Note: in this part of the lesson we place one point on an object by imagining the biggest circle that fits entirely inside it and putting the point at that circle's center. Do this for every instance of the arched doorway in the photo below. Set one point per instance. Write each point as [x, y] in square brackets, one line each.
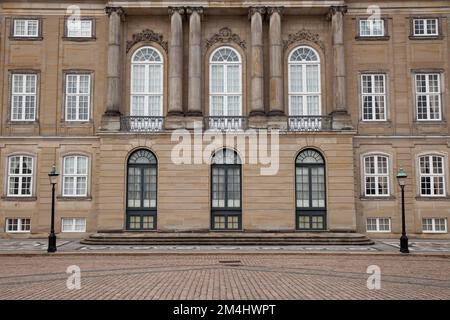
[226, 189]
[141, 191]
[310, 190]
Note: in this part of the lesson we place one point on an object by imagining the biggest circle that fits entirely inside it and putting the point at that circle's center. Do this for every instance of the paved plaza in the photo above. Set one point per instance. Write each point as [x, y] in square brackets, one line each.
[225, 276]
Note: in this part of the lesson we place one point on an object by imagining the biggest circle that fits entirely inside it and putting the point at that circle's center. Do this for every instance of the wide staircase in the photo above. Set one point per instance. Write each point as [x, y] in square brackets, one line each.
[229, 238]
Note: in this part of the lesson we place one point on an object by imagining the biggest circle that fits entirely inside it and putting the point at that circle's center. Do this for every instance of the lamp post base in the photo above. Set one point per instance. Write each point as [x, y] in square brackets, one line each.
[51, 243]
[404, 244]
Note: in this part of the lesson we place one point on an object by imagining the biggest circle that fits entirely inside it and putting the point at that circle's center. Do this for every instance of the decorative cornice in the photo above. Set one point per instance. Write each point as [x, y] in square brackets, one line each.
[190, 10]
[180, 10]
[119, 10]
[223, 36]
[304, 35]
[271, 10]
[252, 10]
[147, 35]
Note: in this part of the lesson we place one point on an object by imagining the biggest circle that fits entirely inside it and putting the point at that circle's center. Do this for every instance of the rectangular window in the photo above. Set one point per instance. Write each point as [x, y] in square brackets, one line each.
[18, 225]
[371, 27]
[432, 175]
[73, 225]
[378, 224]
[26, 28]
[376, 175]
[373, 88]
[75, 176]
[428, 96]
[438, 225]
[20, 176]
[78, 94]
[425, 27]
[23, 97]
[79, 28]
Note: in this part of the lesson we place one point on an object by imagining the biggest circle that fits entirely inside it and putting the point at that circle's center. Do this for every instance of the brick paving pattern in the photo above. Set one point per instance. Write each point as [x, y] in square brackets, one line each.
[215, 276]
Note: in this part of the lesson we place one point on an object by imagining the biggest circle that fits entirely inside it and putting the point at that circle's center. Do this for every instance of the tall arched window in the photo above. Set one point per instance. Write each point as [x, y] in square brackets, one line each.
[225, 87]
[147, 82]
[226, 190]
[141, 190]
[310, 190]
[304, 82]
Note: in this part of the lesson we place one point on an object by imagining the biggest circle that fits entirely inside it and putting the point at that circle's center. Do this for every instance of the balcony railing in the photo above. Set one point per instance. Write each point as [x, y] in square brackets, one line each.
[142, 123]
[310, 123]
[226, 123]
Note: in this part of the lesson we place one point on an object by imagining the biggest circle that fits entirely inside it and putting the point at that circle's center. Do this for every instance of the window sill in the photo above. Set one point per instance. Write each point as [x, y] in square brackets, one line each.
[433, 37]
[377, 198]
[368, 38]
[22, 123]
[79, 39]
[15, 38]
[67, 198]
[431, 122]
[436, 198]
[24, 199]
[71, 124]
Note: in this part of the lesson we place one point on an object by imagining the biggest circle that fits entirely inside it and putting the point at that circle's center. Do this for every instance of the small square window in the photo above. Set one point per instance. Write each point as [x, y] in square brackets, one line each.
[18, 225]
[378, 225]
[425, 27]
[371, 28]
[26, 28]
[434, 225]
[79, 28]
[73, 225]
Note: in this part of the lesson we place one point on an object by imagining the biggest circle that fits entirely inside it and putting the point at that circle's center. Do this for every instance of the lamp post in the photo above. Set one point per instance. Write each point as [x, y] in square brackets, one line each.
[401, 178]
[53, 176]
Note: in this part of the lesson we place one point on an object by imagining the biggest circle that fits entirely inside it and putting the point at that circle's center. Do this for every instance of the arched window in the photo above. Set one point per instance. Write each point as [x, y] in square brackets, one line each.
[141, 190]
[226, 190]
[225, 87]
[432, 175]
[310, 190]
[304, 82]
[147, 82]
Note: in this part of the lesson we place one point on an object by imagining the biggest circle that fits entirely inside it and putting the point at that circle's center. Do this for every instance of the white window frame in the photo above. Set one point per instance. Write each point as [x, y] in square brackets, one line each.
[433, 225]
[21, 176]
[377, 224]
[372, 77]
[77, 96]
[371, 22]
[75, 175]
[428, 94]
[147, 94]
[425, 27]
[305, 93]
[73, 225]
[20, 225]
[225, 92]
[24, 94]
[432, 175]
[78, 32]
[26, 28]
[376, 175]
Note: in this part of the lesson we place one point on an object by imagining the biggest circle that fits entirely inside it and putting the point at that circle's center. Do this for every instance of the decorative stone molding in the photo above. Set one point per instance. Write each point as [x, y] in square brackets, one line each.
[180, 10]
[118, 10]
[336, 9]
[271, 10]
[147, 35]
[190, 10]
[225, 35]
[303, 35]
[253, 10]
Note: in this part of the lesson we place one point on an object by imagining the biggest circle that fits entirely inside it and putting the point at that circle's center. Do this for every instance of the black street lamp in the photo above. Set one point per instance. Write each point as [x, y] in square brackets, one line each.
[401, 178]
[53, 176]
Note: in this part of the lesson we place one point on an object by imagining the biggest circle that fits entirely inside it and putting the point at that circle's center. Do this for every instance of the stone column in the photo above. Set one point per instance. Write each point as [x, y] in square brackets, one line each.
[257, 62]
[195, 62]
[337, 26]
[113, 98]
[276, 62]
[176, 62]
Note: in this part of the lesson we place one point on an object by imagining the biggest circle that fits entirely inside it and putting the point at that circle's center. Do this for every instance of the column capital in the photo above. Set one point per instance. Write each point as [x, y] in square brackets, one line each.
[180, 10]
[272, 10]
[119, 10]
[191, 10]
[253, 10]
[337, 9]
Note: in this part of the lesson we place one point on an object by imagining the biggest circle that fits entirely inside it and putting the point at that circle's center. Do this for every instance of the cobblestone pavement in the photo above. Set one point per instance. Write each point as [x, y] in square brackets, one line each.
[391, 245]
[216, 276]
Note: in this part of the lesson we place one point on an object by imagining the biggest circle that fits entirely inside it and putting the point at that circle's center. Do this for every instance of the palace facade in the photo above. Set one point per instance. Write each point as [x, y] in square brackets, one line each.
[353, 91]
